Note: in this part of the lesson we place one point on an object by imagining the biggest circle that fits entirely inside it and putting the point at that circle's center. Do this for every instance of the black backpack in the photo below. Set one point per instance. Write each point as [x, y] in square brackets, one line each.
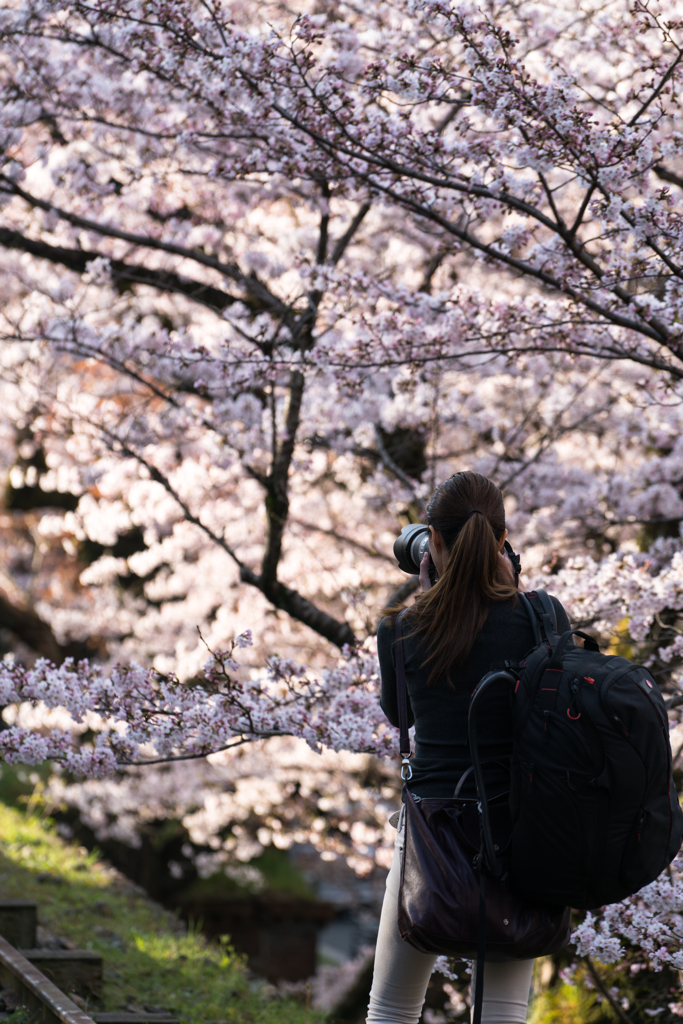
[594, 807]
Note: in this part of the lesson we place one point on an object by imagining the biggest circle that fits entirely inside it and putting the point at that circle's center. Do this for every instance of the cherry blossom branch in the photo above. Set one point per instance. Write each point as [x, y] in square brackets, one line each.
[250, 283]
[133, 710]
[280, 595]
[658, 89]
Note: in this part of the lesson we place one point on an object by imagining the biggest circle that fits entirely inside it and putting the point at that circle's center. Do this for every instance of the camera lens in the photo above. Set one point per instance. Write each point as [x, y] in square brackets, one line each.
[410, 547]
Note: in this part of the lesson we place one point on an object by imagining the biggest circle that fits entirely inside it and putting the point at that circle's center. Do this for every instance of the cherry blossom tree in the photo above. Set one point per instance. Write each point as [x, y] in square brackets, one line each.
[270, 274]
[204, 395]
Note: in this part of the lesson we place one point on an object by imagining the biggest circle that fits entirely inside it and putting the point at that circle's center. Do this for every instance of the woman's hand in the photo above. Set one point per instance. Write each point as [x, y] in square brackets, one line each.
[425, 582]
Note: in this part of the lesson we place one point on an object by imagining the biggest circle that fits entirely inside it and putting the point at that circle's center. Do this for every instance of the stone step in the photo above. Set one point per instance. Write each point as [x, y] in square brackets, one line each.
[36, 991]
[77, 970]
[71, 970]
[18, 919]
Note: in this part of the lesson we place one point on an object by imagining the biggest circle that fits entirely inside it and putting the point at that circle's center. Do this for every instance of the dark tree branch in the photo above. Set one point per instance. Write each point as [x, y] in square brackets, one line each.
[582, 210]
[37, 634]
[655, 92]
[277, 493]
[238, 741]
[342, 243]
[608, 352]
[392, 466]
[290, 601]
[431, 268]
[122, 274]
[315, 528]
[618, 1009]
[665, 174]
[403, 592]
[321, 255]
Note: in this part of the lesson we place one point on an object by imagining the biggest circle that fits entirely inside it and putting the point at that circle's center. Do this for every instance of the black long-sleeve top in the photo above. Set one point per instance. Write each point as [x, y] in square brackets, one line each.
[439, 710]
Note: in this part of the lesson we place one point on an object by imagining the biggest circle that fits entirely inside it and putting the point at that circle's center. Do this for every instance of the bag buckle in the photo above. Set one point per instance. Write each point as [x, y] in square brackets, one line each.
[406, 769]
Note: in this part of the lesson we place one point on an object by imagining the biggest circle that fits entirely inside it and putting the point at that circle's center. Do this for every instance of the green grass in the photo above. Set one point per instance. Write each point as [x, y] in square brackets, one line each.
[566, 1004]
[280, 876]
[148, 957]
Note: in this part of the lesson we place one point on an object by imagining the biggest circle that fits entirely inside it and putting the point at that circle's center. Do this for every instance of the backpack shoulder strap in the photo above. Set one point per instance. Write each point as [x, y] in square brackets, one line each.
[548, 608]
[541, 609]
[401, 690]
[484, 684]
[528, 608]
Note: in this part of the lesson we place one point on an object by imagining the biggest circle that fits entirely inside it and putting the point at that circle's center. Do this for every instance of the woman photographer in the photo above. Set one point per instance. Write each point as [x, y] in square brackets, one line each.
[455, 632]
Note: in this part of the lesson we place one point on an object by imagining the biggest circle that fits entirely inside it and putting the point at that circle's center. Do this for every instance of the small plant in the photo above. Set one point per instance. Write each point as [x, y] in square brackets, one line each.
[24, 1016]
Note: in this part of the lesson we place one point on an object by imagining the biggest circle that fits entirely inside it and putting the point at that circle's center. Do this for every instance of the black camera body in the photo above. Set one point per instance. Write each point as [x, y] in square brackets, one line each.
[410, 546]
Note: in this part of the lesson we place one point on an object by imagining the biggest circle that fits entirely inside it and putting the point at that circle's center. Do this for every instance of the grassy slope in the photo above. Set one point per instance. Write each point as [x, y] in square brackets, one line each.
[148, 959]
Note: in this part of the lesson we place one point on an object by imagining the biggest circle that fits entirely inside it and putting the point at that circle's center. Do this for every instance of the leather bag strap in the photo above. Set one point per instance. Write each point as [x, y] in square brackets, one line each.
[481, 953]
[402, 694]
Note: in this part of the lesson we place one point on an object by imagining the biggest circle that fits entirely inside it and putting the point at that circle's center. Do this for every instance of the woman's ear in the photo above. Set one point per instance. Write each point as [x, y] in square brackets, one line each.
[502, 540]
[436, 539]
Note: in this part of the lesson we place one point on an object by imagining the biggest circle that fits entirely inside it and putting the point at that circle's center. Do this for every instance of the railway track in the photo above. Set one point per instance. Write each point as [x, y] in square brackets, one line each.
[32, 976]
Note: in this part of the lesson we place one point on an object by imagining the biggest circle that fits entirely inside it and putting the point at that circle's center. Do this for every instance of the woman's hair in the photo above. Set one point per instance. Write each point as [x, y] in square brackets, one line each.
[468, 512]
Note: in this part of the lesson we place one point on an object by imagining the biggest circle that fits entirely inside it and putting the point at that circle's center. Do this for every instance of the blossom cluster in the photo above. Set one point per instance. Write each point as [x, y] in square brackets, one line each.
[142, 717]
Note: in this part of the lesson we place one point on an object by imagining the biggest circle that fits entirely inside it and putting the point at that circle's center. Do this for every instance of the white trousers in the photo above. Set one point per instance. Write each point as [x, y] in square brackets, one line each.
[402, 973]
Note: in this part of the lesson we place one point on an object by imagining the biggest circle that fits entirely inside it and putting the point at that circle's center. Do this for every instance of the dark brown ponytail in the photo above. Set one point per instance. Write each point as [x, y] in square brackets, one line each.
[468, 512]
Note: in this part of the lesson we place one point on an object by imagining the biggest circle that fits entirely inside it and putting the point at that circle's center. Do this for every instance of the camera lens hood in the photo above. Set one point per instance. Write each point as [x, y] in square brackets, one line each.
[410, 546]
